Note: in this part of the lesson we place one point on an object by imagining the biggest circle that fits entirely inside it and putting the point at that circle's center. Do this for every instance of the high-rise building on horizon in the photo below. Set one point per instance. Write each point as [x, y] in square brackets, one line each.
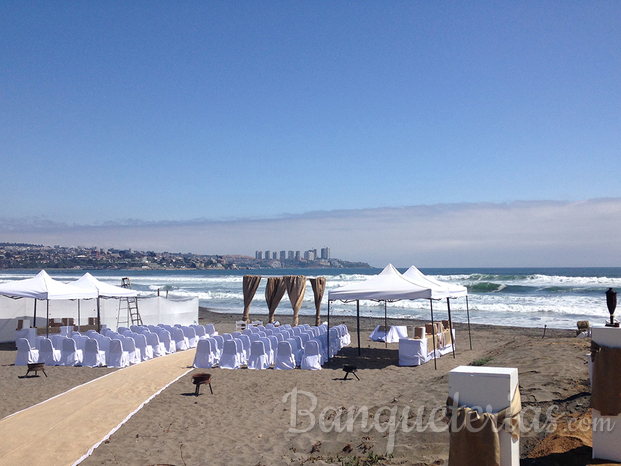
[283, 255]
[325, 253]
[258, 255]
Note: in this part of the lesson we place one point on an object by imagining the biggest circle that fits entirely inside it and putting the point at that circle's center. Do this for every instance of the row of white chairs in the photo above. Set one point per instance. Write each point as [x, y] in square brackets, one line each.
[283, 347]
[114, 349]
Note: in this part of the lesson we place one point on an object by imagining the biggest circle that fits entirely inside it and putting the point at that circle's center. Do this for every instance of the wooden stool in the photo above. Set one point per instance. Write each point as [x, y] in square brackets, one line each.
[201, 379]
[36, 367]
[350, 369]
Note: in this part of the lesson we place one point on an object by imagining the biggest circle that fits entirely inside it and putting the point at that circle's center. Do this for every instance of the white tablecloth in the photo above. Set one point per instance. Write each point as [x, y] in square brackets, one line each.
[395, 333]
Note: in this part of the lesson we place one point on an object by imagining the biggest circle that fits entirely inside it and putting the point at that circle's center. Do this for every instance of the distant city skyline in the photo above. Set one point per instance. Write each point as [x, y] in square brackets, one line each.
[283, 255]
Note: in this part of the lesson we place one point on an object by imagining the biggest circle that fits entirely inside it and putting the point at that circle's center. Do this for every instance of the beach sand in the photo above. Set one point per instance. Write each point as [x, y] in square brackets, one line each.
[248, 419]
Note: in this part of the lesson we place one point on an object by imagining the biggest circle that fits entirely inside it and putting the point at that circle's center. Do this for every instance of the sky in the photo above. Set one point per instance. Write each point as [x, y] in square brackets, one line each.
[428, 133]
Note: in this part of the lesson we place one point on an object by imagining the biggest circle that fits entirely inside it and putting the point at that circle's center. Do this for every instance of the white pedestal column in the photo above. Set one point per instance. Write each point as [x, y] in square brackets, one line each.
[606, 442]
[488, 386]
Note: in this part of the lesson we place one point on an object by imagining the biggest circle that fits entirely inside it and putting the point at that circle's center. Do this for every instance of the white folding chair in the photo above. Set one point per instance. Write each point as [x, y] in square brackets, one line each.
[146, 351]
[70, 355]
[169, 344]
[267, 344]
[117, 356]
[258, 358]
[181, 341]
[190, 334]
[284, 356]
[230, 357]
[129, 345]
[93, 357]
[153, 340]
[47, 353]
[311, 360]
[25, 354]
[204, 355]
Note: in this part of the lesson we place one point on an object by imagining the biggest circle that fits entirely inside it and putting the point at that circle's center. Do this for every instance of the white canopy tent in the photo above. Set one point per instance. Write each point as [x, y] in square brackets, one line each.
[103, 290]
[441, 290]
[390, 285]
[44, 287]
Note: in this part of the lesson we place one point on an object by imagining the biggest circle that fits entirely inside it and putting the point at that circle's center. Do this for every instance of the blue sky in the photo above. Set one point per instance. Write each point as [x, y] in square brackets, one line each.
[243, 111]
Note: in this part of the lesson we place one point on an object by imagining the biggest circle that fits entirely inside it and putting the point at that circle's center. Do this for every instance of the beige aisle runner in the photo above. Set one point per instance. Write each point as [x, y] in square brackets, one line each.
[61, 430]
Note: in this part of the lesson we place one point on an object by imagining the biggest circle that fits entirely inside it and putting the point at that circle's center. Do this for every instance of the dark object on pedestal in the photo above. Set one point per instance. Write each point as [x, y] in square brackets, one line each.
[611, 302]
[350, 369]
[201, 379]
[36, 367]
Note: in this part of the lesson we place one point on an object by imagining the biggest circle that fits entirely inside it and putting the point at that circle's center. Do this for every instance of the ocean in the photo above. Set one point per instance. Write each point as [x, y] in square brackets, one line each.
[525, 297]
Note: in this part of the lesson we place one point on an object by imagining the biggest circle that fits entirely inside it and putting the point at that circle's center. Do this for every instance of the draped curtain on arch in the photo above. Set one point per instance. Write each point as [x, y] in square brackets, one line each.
[251, 283]
[274, 291]
[319, 286]
[296, 288]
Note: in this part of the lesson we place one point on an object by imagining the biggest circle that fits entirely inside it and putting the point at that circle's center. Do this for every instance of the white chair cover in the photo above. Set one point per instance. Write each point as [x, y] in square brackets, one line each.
[129, 345]
[153, 340]
[25, 354]
[93, 357]
[117, 356]
[227, 336]
[284, 356]
[210, 330]
[190, 334]
[219, 339]
[243, 356]
[258, 359]
[230, 357]
[104, 343]
[181, 341]
[169, 344]
[245, 339]
[57, 341]
[146, 351]
[312, 356]
[70, 355]
[215, 352]
[254, 337]
[204, 357]
[267, 344]
[295, 350]
[47, 353]
[274, 342]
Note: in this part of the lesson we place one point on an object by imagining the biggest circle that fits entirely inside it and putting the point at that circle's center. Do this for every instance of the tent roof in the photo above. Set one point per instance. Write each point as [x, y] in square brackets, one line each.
[389, 285]
[42, 286]
[104, 290]
[439, 289]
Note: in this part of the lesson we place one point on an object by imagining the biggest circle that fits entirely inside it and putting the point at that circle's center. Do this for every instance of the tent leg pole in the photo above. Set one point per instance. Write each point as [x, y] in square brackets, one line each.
[35, 314]
[448, 306]
[98, 316]
[328, 334]
[468, 312]
[48, 319]
[358, 322]
[385, 326]
[433, 333]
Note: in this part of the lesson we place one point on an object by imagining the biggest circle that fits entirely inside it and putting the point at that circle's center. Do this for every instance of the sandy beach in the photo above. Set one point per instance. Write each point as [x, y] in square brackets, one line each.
[288, 417]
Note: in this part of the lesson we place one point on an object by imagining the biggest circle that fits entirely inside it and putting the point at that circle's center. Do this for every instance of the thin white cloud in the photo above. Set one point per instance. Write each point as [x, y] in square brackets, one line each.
[542, 233]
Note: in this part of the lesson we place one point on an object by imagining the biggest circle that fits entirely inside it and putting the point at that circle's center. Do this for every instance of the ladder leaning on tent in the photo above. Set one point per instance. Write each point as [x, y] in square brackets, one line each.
[131, 305]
